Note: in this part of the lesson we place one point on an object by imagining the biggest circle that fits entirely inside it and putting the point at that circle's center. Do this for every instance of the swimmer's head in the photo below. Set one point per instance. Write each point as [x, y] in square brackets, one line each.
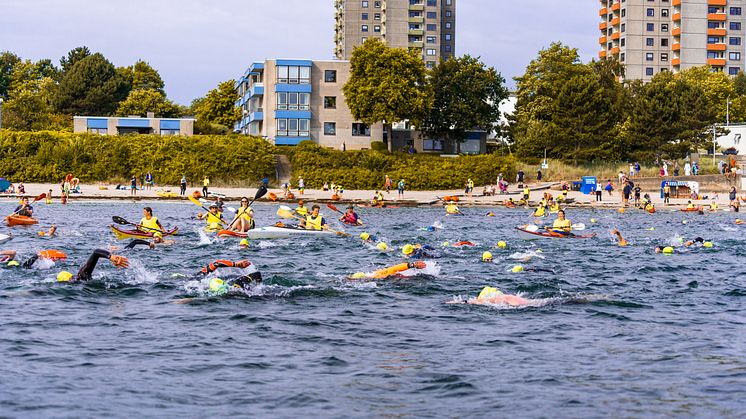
[502, 245]
[486, 257]
[382, 246]
[64, 276]
[243, 243]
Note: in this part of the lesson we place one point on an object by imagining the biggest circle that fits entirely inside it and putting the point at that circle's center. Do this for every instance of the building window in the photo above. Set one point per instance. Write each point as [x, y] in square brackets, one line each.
[432, 27]
[734, 40]
[377, 28]
[649, 71]
[282, 127]
[330, 102]
[623, 27]
[713, 25]
[664, 27]
[430, 52]
[649, 56]
[664, 42]
[650, 42]
[293, 74]
[650, 12]
[282, 101]
[664, 56]
[448, 37]
[664, 12]
[733, 70]
[360, 130]
[448, 48]
[650, 27]
[364, 3]
[734, 56]
[364, 16]
[713, 39]
[330, 76]
[430, 39]
[432, 15]
[449, 13]
[449, 2]
[377, 4]
[169, 131]
[430, 64]
[330, 128]
[293, 127]
[713, 54]
[432, 3]
[364, 28]
[448, 25]
[376, 16]
[102, 131]
[735, 26]
[432, 145]
[622, 42]
[712, 9]
[624, 12]
[735, 10]
[621, 57]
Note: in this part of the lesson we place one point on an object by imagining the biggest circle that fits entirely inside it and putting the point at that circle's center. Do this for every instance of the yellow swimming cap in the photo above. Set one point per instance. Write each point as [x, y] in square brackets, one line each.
[216, 285]
[489, 292]
[42, 233]
[382, 246]
[651, 229]
[707, 244]
[517, 268]
[668, 249]
[358, 275]
[501, 244]
[538, 250]
[739, 221]
[158, 234]
[408, 249]
[64, 276]
[364, 235]
[446, 244]
[593, 220]
[244, 243]
[13, 263]
[486, 257]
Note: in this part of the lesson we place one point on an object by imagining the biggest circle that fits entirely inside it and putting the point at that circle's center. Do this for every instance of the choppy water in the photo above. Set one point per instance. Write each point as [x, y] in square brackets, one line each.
[618, 332]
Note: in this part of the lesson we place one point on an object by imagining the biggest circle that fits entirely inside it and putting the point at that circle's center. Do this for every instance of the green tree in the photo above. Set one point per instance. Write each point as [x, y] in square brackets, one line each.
[386, 84]
[143, 76]
[91, 87]
[218, 106]
[8, 61]
[142, 101]
[75, 55]
[466, 97]
[718, 87]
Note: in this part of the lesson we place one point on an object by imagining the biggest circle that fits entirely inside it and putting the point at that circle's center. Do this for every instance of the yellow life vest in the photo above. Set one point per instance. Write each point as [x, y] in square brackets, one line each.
[313, 223]
[214, 218]
[690, 206]
[562, 224]
[452, 209]
[539, 212]
[526, 191]
[151, 224]
[206, 182]
[713, 206]
[244, 213]
[301, 211]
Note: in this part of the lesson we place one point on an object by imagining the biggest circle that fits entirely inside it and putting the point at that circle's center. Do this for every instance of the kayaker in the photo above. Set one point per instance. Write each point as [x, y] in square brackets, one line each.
[86, 271]
[214, 218]
[49, 197]
[395, 270]
[25, 209]
[301, 209]
[243, 282]
[452, 208]
[148, 223]
[713, 206]
[690, 206]
[350, 217]
[220, 203]
[509, 203]
[314, 221]
[491, 295]
[244, 218]
[561, 224]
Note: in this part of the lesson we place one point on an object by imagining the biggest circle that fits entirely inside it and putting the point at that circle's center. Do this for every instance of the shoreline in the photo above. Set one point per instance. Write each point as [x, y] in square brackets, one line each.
[92, 193]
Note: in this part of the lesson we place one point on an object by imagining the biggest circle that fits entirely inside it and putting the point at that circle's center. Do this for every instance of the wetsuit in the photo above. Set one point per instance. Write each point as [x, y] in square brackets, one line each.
[243, 282]
[135, 242]
[86, 271]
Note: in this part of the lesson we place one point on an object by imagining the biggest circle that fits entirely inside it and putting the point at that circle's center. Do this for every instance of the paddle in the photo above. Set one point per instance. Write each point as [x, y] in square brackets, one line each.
[122, 221]
[38, 198]
[259, 193]
[196, 202]
[334, 208]
[286, 212]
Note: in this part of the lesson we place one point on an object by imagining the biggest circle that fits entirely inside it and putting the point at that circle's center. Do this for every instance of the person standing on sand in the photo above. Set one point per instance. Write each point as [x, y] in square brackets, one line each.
[538, 175]
[205, 185]
[388, 184]
[599, 192]
[666, 194]
[183, 185]
[400, 186]
[148, 180]
[609, 187]
[687, 169]
[133, 185]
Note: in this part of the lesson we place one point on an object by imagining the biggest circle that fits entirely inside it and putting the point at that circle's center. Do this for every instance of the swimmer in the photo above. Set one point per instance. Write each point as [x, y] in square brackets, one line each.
[664, 249]
[368, 238]
[415, 251]
[86, 271]
[49, 233]
[243, 282]
[385, 273]
[7, 255]
[493, 296]
[487, 257]
[619, 238]
[698, 241]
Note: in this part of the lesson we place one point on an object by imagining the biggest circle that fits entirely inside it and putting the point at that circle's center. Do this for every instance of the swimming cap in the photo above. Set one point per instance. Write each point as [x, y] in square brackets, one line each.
[490, 214]
[486, 257]
[739, 221]
[501, 244]
[651, 229]
[244, 243]
[382, 246]
[364, 235]
[217, 285]
[358, 275]
[64, 276]
[683, 221]
[489, 292]
[517, 268]
[668, 249]
[13, 263]
[621, 210]
[445, 244]
[707, 244]
[593, 220]
[158, 234]
[408, 249]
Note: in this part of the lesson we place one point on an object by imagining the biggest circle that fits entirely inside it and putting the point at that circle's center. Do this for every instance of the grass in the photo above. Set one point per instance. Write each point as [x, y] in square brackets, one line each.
[559, 171]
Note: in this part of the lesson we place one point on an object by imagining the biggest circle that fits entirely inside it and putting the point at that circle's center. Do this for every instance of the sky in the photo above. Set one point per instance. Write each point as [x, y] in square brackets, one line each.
[195, 44]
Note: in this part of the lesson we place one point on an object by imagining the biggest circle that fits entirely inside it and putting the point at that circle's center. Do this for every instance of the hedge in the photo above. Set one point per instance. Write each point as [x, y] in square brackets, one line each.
[46, 156]
[367, 169]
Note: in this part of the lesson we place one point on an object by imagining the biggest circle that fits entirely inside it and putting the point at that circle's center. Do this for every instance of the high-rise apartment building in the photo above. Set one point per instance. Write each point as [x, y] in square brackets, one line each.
[429, 26]
[649, 36]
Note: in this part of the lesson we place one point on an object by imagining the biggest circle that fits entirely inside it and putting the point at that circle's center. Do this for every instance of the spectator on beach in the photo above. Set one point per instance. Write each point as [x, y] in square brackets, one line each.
[205, 186]
[666, 194]
[687, 169]
[538, 175]
[631, 170]
[400, 187]
[609, 187]
[695, 168]
[133, 185]
[665, 168]
[676, 168]
[148, 180]
[621, 177]
[599, 192]
[519, 178]
[183, 185]
[637, 169]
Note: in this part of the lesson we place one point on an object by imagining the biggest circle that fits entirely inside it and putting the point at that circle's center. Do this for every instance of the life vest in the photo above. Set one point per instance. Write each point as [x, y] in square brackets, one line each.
[539, 212]
[214, 218]
[314, 223]
[526, 191]
[151, 224]
[562, 224]
[301, 211]
[244, 213]
[452, 209]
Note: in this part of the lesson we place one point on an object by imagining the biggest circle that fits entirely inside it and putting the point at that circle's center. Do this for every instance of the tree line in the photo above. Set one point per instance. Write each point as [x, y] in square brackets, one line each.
[44, 96]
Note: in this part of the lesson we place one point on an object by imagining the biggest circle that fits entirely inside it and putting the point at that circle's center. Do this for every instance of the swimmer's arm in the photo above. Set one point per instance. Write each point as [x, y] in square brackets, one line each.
[135, 242]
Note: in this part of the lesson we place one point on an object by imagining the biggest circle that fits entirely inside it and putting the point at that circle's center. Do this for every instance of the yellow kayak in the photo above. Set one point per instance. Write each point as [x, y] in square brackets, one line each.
[166, 194]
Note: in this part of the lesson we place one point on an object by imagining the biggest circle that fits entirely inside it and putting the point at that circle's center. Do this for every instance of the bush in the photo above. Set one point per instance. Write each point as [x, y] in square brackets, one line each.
[378, 146]
[46, 156]
[367, 169]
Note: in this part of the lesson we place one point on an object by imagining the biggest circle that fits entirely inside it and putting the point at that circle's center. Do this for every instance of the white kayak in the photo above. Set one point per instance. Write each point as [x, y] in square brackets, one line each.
[284, 232]
[4, 238]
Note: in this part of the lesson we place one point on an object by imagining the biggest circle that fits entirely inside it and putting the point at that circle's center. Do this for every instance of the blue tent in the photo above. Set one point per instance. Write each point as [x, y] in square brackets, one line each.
[4, 184]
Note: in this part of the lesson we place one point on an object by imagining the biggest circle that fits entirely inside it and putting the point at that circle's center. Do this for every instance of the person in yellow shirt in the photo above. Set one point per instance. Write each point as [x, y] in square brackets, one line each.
[452, 208]
[690, 206]
[214, 218]
[301, 210]
[314, 220]
[205, 185]
[713, 206]
[244, 219]
[561, 225]
[148, 223]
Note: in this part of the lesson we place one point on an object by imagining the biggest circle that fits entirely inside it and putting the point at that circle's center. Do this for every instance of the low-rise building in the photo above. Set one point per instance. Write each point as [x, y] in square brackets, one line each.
[115, 125]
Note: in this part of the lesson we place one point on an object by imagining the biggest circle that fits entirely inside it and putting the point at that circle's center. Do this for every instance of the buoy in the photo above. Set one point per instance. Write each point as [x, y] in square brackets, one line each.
[621, 210]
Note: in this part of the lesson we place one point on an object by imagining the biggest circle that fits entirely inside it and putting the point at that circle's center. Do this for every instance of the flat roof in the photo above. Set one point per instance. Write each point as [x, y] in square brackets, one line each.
[132, 117]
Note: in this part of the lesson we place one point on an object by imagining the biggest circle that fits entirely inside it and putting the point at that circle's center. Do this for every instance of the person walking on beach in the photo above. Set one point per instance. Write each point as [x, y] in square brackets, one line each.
[687, 169]
[599, 192]
[149, 181]
[133, 185]
[301, 185]
[183, 185]
[388, 184]
[519, 178]
[205, 185]
[666, 194]
[609, 187]
[400, 186]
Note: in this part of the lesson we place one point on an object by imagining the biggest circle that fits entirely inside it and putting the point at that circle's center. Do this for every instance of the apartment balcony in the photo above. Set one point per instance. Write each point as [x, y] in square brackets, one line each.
[602, 26]
[716, 17]
[602, 54]
[602, 40]
[676, 32]
[615, 21]
[716, 2]
[615, 35]
[676, 61]
[257, 115]
[616, 6]
[676, 3]
[614, 51]
[716, 47]
[256, 90]
[676, 46]
[417, 19]
[716, 62]
[417, 7]
[716, 32]
[416, 32]
[603, 12]
[676, 17]
[416, 44]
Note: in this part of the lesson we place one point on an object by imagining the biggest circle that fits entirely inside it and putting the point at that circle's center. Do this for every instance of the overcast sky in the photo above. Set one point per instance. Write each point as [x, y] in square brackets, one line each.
[195, 44]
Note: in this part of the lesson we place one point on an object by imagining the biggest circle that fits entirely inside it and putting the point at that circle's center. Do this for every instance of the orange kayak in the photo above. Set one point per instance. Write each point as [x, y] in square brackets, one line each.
[20, 220]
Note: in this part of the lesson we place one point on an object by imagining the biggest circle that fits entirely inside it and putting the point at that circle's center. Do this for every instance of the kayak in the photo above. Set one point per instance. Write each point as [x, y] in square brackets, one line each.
[166, 194]
[530, 235]
[20, 220]
[4, 238]
[122, 234]
[697, 209]
[273, 232]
